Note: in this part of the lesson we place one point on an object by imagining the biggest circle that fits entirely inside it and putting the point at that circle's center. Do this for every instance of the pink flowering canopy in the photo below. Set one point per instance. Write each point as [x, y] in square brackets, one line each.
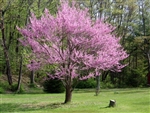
[72, 42]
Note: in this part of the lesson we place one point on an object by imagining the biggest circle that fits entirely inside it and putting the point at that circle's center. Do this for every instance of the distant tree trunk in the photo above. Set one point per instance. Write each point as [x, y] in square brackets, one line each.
[104, 75]
[97, 85]
[143, 20]
[148, 57]
[32, 78]
[9, 76]
[68, 94]
[20, 75]
[112, 76]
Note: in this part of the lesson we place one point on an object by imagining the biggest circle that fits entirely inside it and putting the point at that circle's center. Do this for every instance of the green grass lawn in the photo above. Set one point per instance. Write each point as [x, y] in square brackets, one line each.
[83, 101]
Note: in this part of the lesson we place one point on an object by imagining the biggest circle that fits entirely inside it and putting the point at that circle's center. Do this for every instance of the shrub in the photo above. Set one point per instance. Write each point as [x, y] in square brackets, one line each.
[106, 84]
[90, 83]
[32, 85]
[2, 90]
[53, 86]
[4, 86]
[14, 88]
[136, 78]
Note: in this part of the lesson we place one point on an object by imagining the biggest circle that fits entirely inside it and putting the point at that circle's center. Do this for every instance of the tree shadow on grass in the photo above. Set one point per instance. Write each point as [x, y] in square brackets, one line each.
[105, 107]
[129, 92]
[13, 107]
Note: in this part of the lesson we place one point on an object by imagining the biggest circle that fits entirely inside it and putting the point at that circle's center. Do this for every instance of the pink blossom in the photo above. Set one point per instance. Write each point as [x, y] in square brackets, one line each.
[73, 42]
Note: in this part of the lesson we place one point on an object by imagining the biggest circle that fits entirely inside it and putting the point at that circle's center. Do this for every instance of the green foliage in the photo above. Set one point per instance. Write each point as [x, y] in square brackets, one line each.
[32, 85]
[129, 77]
[53, 86]
[135, 78]
[2, 61]
[105, 85]
[1, 90]
[90, 83]
[4, 86]
[14, 89]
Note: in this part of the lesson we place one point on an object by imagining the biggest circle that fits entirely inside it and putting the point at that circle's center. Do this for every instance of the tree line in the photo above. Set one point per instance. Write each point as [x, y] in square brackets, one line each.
[131, 19]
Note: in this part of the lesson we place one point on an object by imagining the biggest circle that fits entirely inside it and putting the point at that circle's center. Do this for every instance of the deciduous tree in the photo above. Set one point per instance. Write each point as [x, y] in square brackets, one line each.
[72, 42]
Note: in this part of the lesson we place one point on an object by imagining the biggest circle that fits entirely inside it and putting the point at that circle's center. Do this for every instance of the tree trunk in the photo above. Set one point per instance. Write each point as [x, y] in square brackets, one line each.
[97, 85]
[20, 75]
[9, 76]
[68, 95]
[32, 78]
[148, 57]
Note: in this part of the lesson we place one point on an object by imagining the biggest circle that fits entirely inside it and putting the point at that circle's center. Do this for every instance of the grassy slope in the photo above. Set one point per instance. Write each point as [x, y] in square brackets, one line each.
[128, 101]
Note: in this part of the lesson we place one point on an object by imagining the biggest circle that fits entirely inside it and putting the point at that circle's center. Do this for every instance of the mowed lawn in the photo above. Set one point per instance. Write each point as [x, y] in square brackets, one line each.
[83, 101]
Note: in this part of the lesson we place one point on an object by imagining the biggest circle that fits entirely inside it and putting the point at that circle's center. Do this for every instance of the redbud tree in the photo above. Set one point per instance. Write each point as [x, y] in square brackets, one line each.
[74, 43]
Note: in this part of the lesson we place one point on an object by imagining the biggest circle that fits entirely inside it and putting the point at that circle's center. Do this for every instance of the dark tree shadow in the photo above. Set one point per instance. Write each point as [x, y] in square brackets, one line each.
[13, 107]
[104, 107]
[131, 92]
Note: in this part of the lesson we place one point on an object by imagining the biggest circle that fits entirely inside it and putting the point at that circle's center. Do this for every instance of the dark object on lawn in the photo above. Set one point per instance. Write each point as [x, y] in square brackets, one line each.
[112, 103]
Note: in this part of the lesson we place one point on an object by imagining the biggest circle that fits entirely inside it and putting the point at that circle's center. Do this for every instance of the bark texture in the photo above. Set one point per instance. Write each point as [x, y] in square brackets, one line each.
[5, 49]
[68, 94]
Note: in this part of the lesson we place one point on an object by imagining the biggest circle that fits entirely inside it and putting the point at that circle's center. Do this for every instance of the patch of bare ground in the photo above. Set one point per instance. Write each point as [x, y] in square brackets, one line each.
[25, 82]
[25, 79]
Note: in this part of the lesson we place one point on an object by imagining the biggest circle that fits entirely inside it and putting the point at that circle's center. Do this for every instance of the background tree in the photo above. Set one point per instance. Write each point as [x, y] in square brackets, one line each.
[130, 17]
[17, 12]
[120, 13]
[4, 8]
